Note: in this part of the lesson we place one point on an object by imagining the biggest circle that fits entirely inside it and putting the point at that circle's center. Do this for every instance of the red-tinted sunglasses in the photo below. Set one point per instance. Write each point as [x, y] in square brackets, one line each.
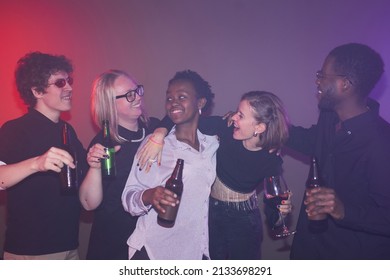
[60, 83]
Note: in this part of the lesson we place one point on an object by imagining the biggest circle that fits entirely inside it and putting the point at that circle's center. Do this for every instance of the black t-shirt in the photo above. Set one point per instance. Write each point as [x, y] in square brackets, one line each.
[112, 225]
[39, 219]
[238, 168]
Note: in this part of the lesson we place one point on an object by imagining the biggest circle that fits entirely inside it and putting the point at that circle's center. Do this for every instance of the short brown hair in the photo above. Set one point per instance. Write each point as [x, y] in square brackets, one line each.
[268, 109]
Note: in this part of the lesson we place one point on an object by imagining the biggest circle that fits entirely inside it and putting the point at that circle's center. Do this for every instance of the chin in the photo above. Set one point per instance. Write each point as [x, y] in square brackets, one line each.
[136, 111]
[237, 136]
[326, 105]
[175, 120]
[133, 117]
[66, 108]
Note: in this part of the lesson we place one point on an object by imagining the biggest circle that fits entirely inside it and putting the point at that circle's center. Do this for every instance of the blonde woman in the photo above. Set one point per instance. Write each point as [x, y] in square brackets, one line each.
[118, 98]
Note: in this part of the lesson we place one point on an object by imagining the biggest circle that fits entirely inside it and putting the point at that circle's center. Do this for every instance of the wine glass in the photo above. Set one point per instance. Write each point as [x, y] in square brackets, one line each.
[276, 190]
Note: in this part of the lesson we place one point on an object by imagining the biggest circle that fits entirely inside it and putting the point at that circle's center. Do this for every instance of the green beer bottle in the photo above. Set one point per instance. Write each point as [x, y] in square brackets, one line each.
[108, 164]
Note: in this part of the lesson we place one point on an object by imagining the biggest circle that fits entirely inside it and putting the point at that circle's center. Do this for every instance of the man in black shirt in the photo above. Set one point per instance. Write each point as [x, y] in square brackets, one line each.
[41, 223]
[351, 142]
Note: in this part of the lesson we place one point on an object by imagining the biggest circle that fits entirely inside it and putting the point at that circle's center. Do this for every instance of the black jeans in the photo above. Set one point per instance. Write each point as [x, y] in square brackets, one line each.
[141, 255]
[235, 232]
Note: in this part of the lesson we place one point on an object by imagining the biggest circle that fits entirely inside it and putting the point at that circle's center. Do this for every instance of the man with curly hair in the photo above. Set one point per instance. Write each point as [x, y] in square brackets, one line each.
[42, 223]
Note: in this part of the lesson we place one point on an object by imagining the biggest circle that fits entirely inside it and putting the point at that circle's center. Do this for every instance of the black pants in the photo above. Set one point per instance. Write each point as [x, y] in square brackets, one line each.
[235, 231]
[141, 255]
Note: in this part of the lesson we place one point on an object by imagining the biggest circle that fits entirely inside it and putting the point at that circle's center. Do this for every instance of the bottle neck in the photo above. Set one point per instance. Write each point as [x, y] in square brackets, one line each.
[65, 135]
[178, 171]
[314, 171]
[106, 130]
[314, 174]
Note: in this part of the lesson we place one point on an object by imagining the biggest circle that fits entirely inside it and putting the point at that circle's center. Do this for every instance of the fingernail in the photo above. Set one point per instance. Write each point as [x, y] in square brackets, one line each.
[278, 206]
[137, 164]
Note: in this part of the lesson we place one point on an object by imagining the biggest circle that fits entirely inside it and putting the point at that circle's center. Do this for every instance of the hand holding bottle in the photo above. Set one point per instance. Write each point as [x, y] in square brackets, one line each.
[96, 153]
[322, 200]
[54, 159]
[159, 197]
[174, 184]
[318, 221]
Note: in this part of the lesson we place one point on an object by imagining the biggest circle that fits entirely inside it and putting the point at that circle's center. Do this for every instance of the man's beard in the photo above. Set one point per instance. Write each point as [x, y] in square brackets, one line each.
[327, 101]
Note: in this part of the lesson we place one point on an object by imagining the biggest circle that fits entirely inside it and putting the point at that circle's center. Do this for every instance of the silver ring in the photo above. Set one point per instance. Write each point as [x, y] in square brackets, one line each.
[152, 160]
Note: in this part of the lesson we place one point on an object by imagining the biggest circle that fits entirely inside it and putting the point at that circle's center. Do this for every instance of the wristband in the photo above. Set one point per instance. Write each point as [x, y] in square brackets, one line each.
[153, 141]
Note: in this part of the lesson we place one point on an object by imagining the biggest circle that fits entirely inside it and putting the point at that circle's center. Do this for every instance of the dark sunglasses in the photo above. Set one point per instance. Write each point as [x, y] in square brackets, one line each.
[60, 83]
[130, 95]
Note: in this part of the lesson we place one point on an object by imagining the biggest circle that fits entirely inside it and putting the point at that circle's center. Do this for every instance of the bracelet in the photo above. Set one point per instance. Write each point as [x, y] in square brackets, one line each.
[153, 141]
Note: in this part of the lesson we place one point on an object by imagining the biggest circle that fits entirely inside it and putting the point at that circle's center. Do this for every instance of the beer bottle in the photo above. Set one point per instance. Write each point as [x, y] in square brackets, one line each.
[317, 223]
[68, 175]
[108, 163]
[174, 184]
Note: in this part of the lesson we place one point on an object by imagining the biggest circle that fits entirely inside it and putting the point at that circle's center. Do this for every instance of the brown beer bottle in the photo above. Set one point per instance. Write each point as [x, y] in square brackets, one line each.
[174, 184]
[317, 223]
[68, 175]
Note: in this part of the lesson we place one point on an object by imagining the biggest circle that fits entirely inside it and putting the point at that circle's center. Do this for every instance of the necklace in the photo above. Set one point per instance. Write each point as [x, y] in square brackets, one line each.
[142, 138]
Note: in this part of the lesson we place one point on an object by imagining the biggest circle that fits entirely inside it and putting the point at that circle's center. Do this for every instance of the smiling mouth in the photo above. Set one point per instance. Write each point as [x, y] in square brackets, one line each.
[176, 111]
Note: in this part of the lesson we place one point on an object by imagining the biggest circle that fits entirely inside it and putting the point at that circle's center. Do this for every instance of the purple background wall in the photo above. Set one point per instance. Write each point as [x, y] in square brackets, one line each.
[237, 45]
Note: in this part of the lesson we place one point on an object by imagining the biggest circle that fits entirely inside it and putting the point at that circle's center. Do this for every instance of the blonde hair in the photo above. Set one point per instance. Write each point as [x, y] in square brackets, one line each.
[103, 104]
[267, 108]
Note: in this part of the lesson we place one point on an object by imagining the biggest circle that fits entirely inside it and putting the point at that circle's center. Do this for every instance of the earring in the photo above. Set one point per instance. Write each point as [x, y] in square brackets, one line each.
[255, 134]
[200, 111]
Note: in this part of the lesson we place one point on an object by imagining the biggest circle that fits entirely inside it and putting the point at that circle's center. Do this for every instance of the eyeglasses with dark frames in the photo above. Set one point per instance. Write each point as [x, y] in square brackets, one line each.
[130, 95]
[320, 75]
[60, 83]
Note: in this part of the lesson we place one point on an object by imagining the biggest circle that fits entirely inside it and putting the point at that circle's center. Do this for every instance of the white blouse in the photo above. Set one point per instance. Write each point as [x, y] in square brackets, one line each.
[188, 238]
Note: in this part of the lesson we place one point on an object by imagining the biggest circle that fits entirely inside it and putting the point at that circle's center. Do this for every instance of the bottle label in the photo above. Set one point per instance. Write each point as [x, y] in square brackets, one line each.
[170, 212]
[108, 165]
[68, 180]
